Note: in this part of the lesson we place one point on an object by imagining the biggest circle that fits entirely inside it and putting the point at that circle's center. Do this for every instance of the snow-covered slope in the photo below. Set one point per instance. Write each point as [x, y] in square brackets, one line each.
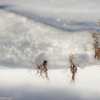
[73, 15]
[21, 39]
[57, 27]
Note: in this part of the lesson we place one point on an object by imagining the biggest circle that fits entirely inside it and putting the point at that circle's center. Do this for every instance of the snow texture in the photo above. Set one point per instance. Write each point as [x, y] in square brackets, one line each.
[62, 14]
[20, 35]
[81, 58]
[41, 57]
[22, 86]
[25, 27]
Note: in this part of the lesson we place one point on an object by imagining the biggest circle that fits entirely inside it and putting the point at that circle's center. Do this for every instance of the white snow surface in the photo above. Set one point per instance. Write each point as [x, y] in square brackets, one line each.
[20, 85]
[60, 27]
[81, 58]
[63, 14]
[22, 38]
[41, 57]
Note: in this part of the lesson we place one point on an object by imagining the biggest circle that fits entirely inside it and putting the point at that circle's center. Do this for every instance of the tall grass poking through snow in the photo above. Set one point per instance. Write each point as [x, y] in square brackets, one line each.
[40, 64]
[95, 43]
[73, 67]
[75, 60]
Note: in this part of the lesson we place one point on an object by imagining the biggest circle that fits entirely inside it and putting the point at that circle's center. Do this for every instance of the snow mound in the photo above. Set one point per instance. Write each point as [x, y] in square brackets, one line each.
[81, 58]
[41, 57]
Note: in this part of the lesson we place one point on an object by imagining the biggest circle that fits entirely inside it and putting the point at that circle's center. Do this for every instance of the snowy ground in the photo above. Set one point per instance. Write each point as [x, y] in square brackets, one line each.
[80, 15]
[20, 85]
[23, 38]
[58, 28]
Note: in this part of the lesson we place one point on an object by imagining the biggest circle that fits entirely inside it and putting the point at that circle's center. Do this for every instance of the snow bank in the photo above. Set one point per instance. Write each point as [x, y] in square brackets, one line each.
[41, 57]
[81, 58]
[63, 14]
